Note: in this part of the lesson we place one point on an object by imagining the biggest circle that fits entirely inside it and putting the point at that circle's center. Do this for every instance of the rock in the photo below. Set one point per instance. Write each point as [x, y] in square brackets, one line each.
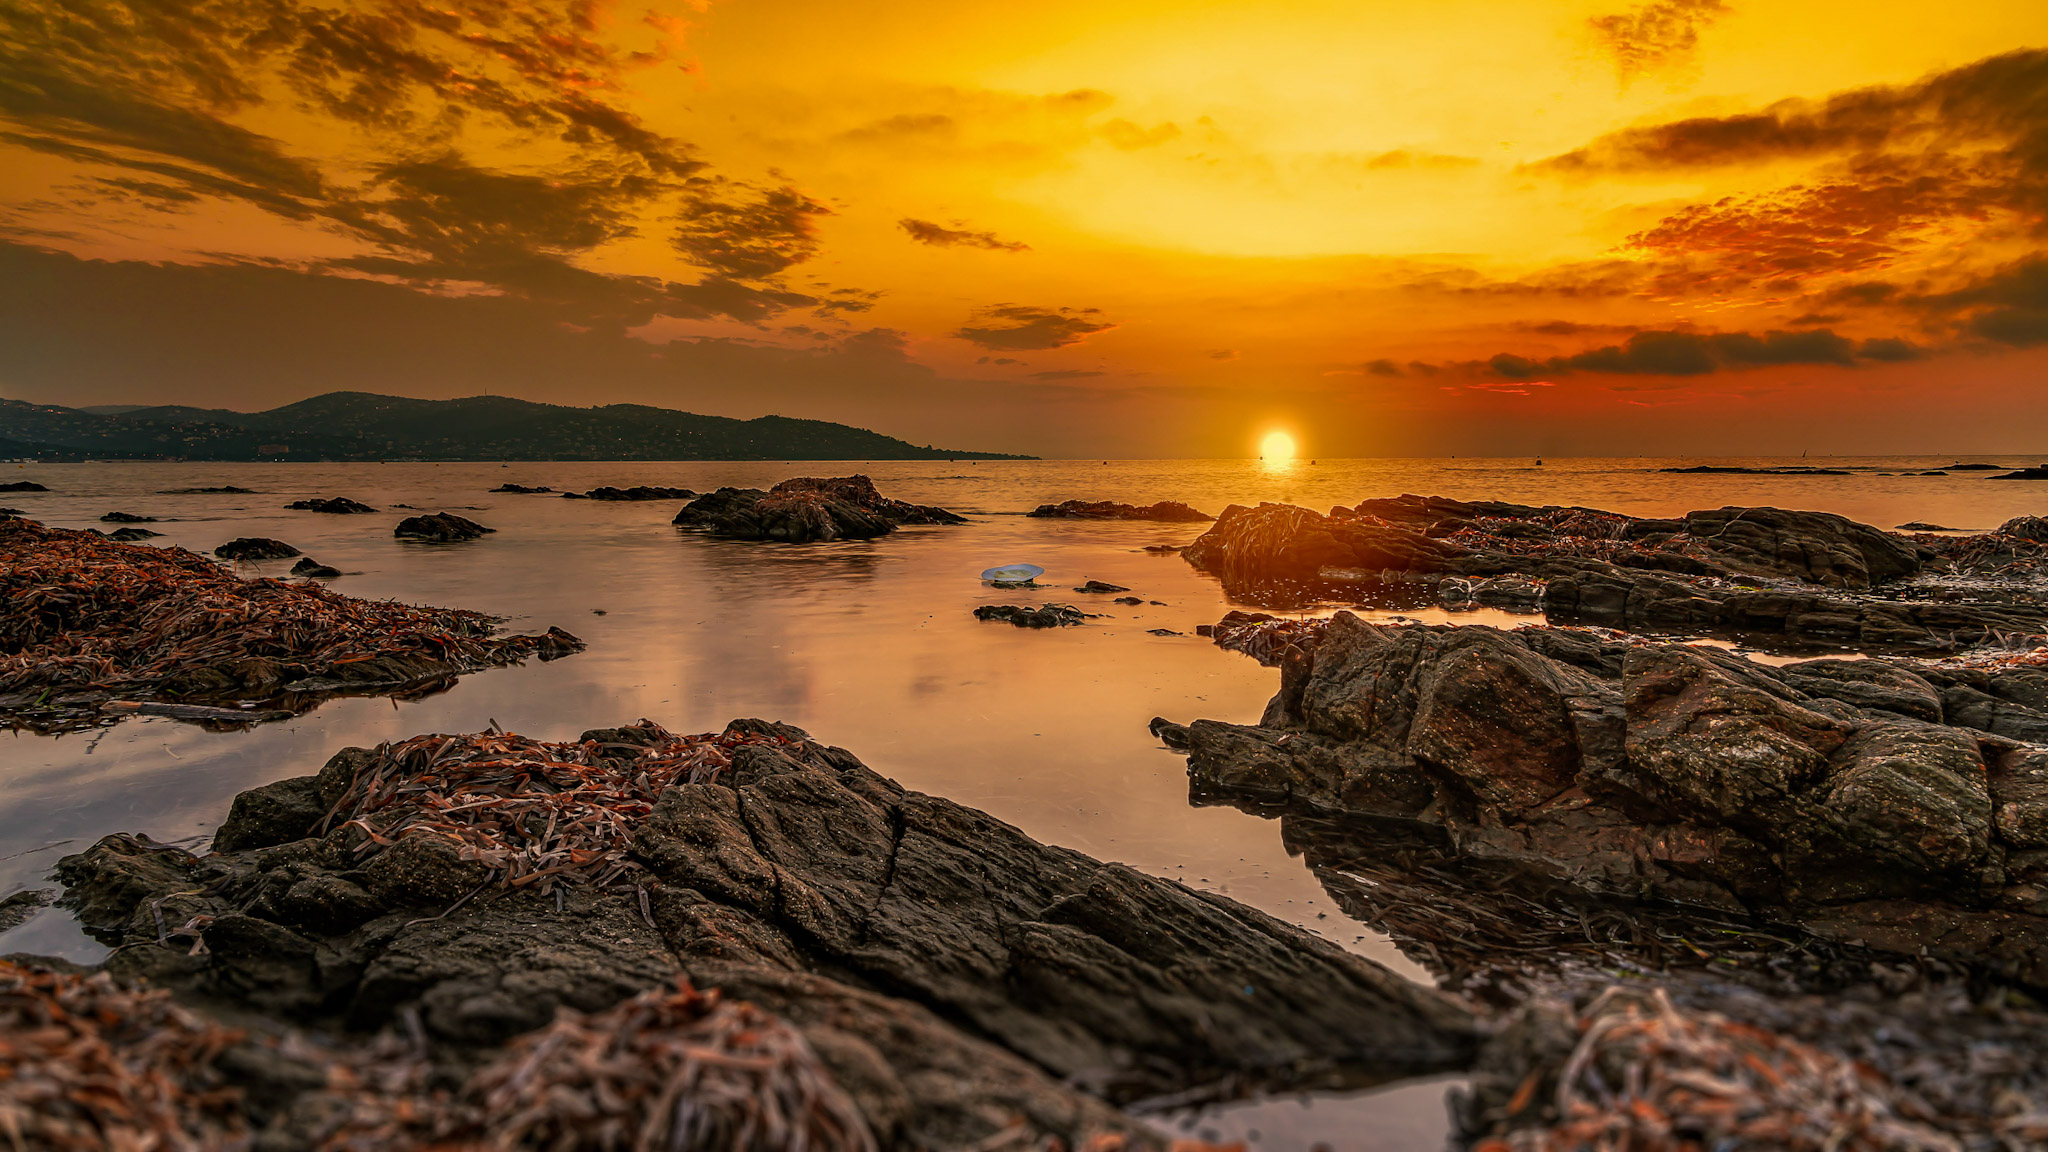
[1121, 599]
[126, 518]
[508, 487]
[216, 490]
[807, 509]
[1271, 542]
[22, 486]
[1046, 616]
[247, 548]
[635, 493]
[2039, 472]
[1171, 511]
[1717, 469]
[313, 569]
[130, 535]
[1163, 632]
[439, 528]
[1100, 586]
[1922, 526]
[1816, 547]
[793, 518]
[964, 983]
[16, 909]
[1822, 789]
[334, 505]
[1977, 467]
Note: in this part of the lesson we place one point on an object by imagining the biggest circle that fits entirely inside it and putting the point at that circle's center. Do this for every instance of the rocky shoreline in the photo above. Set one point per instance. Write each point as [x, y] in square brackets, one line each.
[957, 982]
[1809, 577]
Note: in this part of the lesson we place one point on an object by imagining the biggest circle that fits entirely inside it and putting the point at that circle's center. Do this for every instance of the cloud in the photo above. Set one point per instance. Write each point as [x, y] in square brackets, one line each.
[1992, 104]
[1129, 137]
[753, 235]
[2009, 306]
[1026, 329]
[154, 102]
[1403, 158]
[926, 232]
[1690, 353]
[1221, 354]
[1065, 374]
[1651, 37]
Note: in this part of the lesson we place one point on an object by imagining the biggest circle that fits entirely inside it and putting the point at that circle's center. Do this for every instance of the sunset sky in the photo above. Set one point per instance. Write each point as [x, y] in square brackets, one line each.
[1123, 227]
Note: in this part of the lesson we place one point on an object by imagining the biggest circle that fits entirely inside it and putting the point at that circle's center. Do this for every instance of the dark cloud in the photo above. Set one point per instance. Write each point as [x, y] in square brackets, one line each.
[1654, 36]
[1574, 328]
[1222, 353]
[1383, 367]
[926, 232]
[1019, 328]
[2009, 306]
[754, 234]
[1997, 103]
[1688, 353]
[153, 94]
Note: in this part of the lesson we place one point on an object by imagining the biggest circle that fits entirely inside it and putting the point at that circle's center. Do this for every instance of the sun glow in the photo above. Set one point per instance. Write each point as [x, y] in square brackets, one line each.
[1277, 446]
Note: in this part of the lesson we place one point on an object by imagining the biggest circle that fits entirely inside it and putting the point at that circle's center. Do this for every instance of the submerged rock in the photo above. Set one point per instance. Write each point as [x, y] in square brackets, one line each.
[960, 982]
[1171, 511]
[1890, 800]
[2039, 472]
[509, 487]
[439, 528]
[246, 548]
[126, 518]
[22, 486]
[805, 510]
[130, 535]
[216, 490]
[313, 569]
[1045, 616]
[1100, 586]
[333, 505]
[636, 493]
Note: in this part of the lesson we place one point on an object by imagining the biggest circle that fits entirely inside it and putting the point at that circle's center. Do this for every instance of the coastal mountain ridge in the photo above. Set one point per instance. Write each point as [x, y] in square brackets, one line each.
[368, 426]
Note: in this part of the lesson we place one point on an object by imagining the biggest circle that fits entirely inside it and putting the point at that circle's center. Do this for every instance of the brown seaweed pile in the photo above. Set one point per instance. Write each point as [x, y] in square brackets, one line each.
[677, 1070]
[87, 1065]
[532, 813]
[84, 620]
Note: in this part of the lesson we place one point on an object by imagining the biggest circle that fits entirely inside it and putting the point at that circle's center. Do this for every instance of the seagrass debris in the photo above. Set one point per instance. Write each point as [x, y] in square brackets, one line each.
[530, 812]
[88, 1066]
[1648, 1076]
[84, 618]
[670, 1070]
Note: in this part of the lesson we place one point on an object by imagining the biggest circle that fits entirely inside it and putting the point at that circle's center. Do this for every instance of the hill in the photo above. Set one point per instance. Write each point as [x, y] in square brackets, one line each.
[366, 426]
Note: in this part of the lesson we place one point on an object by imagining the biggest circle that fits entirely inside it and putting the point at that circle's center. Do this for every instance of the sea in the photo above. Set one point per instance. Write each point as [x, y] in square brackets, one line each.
[870, 645]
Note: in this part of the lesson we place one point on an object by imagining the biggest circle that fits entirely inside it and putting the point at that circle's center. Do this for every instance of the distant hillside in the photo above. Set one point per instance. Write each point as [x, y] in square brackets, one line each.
[365, 426]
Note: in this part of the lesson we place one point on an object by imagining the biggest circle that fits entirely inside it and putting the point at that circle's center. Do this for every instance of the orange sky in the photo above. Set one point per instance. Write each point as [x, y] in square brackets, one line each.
[1123, 227]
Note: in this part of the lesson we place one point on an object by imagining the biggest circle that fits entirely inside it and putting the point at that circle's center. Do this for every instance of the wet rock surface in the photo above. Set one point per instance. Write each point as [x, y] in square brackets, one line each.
[1886, 800]
[440, 528]
[126, 518]
[509, 487]
[245, 548]
[958, 980]
[130, 535]
[312, 568]
[332, 505]
[1169, 511]
[638, 492]
[22, 486]
[1025, 616]
[1814, 578]
[806, 510]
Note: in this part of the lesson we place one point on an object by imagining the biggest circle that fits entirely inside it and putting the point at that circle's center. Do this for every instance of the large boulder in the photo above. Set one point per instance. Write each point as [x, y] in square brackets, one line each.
[1814, 547]
[1820, 790]
[807, 509]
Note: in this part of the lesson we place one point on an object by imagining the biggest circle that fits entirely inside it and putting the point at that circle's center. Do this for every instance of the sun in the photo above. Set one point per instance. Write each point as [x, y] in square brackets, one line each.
[1276, 446]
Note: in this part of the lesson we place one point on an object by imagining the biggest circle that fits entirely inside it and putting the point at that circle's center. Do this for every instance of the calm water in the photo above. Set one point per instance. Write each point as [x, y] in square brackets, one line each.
[867, 645]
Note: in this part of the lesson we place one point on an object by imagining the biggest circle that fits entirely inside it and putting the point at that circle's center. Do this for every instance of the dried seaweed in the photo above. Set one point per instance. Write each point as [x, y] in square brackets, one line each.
[532, 812]
[83, 614]
[666, 1071]
[87, 1065]
[1647, 1076]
